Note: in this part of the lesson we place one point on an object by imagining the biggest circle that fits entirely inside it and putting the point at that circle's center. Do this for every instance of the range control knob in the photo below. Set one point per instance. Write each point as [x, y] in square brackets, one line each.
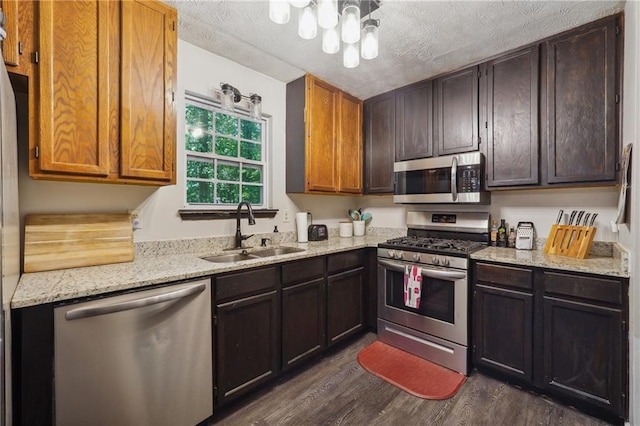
[417, 257]
[391, 253]
[400, 255]
[445, 262]
[435, 260]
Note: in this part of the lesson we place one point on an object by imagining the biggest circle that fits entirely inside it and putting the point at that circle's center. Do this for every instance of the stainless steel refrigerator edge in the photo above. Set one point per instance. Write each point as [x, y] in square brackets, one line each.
[9, 230]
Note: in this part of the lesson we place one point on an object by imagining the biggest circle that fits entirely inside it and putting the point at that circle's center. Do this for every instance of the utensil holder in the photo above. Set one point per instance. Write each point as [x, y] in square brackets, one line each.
[571, 241]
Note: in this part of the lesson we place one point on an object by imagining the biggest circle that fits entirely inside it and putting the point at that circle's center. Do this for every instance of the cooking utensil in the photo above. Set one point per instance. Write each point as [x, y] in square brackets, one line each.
[593, 219]
[366, 217]
[555, 234]
[354, 214]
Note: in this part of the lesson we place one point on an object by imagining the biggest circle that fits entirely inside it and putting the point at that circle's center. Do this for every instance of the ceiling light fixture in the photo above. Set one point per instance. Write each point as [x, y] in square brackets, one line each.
[327, 14]
[229, 96]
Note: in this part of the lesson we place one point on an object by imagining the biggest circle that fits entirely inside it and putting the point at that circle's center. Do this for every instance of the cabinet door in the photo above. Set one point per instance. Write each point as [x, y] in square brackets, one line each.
[581, 101]
[18, 44]
[148, 118]
[512, 119]
[350, 144]
[75, 85]
[247, 344]
[379, 143]
[303, 321]
[503, 331]
[456, 112]
[321, 155]
[414, 122]
[584, 352]
[345, 314]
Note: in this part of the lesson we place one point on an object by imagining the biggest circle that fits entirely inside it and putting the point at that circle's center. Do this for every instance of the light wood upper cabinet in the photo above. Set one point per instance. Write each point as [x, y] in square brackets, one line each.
[18, 44]
[105, 81]
[324, 139]
[350, 144]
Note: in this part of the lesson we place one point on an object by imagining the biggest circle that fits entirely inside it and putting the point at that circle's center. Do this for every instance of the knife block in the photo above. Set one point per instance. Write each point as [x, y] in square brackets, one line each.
[571, 241]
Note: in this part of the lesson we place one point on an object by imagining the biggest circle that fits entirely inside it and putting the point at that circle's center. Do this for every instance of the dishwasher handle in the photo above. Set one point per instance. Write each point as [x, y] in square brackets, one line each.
[89, 311]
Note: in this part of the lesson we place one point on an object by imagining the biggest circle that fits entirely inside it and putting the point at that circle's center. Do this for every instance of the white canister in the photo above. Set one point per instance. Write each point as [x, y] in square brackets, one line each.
[345, 229]
[358, 228]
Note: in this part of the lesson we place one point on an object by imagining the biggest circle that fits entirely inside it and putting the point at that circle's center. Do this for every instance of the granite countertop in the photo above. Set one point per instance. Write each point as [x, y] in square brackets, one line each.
[602, 265]
[68, 284]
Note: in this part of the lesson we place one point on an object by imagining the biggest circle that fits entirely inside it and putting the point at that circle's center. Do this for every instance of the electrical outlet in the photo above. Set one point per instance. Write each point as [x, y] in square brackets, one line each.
[136, 222]
[285, 216]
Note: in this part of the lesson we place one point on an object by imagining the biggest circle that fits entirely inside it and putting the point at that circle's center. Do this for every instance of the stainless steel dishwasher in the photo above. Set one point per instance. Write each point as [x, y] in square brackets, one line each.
[142, 358]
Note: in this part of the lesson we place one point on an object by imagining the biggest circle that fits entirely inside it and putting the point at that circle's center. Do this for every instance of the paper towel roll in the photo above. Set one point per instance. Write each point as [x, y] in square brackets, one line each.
[301, 225]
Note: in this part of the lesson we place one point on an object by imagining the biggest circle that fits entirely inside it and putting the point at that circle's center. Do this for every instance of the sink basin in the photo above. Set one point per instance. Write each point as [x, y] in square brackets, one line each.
[277, 251]
[228, 258]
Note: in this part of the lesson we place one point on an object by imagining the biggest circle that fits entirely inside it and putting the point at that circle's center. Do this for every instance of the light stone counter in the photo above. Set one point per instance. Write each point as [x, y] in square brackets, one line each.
[602, 265]
[68, 284]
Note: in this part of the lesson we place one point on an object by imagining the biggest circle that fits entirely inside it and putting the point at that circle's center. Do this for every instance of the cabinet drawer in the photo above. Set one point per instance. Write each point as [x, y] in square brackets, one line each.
[504, 275]
[302, 270]
[347, 260]
[246, 283]
[599, 289]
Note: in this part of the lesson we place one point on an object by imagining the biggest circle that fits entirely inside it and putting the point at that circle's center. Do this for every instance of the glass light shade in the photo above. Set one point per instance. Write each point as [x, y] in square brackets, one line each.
[351, 57]
[227, 97]
[331, 40]
[351, 21]
[255, 109]
[327, 13]
[307, 23]
[279, 11]
[369, 43]
[299, 3]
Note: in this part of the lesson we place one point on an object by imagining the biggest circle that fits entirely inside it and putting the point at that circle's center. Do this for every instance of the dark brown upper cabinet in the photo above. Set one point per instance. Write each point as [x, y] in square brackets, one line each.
[414, 121]
[456, 112]
[379, 143]
[512, 150]
[581, 100]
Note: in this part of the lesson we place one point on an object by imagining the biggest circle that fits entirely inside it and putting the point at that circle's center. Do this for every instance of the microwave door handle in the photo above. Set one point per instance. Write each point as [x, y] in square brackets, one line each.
[454, 178]
[430, 273]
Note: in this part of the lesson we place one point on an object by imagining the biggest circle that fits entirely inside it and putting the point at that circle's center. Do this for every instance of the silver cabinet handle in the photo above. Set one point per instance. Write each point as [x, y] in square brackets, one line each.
[430, 273]
[89, 311]
[454, 178]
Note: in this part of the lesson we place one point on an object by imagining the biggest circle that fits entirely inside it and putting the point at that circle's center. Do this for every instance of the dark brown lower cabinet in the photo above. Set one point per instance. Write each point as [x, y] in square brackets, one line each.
[562, 333]
[247, 329]
[345, 314]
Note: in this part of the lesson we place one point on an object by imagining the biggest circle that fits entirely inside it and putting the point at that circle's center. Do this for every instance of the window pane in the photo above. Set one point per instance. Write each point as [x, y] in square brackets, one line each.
[252, 194]
[228, 193]
[228, 172]
[252, 174]
[199, 192]
[199, 117]
[197, 141]
[226, 146]
[200, 169]
[251, 130]
[251, 151]
[226, 124]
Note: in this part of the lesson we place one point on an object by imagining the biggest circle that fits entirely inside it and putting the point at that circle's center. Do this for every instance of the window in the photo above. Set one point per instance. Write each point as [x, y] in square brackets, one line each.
[225, 154]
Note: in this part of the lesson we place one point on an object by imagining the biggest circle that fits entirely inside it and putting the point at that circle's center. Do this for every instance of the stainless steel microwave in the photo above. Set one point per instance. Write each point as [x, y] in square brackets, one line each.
[451, 179]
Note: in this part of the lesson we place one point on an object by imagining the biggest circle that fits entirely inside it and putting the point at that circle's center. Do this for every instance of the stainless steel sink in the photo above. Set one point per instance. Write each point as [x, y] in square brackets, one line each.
[233, 257]
[277, 251]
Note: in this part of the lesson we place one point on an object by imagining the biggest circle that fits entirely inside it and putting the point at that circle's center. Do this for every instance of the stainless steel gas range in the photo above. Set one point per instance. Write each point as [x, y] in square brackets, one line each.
[439, 244]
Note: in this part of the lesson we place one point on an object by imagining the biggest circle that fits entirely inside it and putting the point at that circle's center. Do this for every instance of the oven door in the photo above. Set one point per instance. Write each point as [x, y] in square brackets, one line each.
[443, 306]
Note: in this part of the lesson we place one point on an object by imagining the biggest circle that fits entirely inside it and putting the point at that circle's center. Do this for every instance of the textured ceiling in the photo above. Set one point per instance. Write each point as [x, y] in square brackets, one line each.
[418, 39]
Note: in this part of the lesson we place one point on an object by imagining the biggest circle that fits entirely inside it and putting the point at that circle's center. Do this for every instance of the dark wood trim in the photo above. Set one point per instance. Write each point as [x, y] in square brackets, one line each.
[224, 214]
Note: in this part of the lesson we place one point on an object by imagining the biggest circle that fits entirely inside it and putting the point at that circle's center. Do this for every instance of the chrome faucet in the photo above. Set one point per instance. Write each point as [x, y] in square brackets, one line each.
[252, 221]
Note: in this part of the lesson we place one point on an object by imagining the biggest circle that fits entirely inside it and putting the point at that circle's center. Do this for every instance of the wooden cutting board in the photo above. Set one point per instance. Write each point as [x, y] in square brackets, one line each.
[60, 241]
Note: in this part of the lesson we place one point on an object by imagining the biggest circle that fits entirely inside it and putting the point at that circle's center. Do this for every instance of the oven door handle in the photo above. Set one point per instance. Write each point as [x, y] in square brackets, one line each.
[430, 273]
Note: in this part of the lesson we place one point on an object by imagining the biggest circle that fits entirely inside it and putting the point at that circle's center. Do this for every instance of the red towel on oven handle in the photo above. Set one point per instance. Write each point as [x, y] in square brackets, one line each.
[412, 286]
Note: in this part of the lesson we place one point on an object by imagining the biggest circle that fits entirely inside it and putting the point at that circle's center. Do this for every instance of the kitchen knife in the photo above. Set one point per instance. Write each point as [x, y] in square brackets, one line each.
[573, 214]
[579, 218]
[560, 213]
[586, 219]
[593, 219]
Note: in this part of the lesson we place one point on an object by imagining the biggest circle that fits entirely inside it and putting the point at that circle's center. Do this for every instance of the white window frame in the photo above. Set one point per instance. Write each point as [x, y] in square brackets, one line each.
[214, 105]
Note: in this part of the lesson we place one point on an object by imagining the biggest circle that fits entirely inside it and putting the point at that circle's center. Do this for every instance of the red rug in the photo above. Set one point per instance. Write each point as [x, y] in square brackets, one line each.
[410, 373]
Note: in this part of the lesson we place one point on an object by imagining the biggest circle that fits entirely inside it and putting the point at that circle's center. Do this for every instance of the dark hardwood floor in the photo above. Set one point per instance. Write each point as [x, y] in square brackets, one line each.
[336, 390]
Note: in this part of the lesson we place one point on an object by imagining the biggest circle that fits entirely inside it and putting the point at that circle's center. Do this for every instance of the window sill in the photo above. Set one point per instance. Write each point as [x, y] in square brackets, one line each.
[224, 214]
